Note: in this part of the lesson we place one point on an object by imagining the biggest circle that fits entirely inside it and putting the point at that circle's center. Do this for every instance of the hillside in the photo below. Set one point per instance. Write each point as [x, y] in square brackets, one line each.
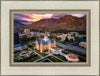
[42, 23]
[18, 23]
[69, 22]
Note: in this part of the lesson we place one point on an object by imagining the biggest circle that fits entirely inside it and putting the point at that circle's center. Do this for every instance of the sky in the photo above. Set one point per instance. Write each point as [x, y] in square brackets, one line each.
[31, 18]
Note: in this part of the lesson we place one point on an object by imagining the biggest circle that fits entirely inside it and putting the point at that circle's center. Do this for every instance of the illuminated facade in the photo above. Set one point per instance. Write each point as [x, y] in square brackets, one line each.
[45, 43]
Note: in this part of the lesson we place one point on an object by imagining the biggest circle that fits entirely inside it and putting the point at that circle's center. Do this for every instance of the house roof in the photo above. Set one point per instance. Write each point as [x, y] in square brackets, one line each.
[15, 31]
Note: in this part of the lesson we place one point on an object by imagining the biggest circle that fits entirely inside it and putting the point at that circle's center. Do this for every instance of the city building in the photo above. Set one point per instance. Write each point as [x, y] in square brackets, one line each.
[71, 57]
[63, 37]
[45, 43]
[25, 35]
[16, 38]
[31, 33]
[82, 44]
[38, 35]
[72, 33]
[80, 36]
[36, 32]
[17, 43]
[19, 47]
[22, 35]
[26, 31]
[71, 37]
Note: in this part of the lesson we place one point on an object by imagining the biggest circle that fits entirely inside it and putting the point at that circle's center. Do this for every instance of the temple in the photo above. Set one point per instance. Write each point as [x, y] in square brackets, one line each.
[45, 43]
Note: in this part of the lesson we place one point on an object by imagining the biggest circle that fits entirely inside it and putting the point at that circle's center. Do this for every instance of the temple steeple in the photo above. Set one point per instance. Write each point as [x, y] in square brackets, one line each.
[46, 37]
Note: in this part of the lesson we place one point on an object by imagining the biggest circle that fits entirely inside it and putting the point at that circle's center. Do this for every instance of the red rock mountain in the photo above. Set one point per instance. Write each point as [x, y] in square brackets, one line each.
[70, 23]
[67, 22]
[42, 23]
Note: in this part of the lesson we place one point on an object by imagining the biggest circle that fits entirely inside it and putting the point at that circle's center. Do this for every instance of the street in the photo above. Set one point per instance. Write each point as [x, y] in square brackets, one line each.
[71, 47]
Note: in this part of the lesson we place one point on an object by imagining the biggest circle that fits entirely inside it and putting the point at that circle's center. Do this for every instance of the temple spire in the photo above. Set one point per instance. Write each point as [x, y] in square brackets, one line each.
[46, 37]
[46, 34]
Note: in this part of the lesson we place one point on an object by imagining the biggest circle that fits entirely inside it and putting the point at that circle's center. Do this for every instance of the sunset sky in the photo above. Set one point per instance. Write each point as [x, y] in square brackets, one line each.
[30, 18]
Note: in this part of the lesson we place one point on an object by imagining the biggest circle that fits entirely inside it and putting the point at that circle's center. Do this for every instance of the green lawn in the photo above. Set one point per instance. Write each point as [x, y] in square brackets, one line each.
[82, 59]
[32, 59]
[61, 57]
[29, 44]
[25, 43]
[69, 51]
[54, 59]
[66, 52]
[42, 54]
[45, 50]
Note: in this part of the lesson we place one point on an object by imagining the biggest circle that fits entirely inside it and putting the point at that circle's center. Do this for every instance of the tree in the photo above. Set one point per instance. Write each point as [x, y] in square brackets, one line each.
[15, 56]
[71, 40]
[79, 38]
[33, 38]
[66, 39]
[24, 38]
[58, 38]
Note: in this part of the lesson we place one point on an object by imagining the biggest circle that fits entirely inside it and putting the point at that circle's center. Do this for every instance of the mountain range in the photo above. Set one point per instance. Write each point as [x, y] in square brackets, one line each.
[18, 24]
[42, 23]
[67, 22]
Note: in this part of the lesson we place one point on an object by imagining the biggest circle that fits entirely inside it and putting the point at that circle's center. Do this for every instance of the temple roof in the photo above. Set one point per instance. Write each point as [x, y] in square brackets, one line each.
[45, 42]
[72, 56]
[46, 34]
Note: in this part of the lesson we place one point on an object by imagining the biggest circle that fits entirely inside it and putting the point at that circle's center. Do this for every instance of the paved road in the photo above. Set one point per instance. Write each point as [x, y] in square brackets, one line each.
[46, 59]
[38, 54]
[42, 58]
[49, 60]
[71, 47]
[45, 56]
[60, 52]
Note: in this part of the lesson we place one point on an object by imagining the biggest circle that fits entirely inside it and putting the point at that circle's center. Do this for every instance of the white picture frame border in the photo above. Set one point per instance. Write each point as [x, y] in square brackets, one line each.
[8, 70]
